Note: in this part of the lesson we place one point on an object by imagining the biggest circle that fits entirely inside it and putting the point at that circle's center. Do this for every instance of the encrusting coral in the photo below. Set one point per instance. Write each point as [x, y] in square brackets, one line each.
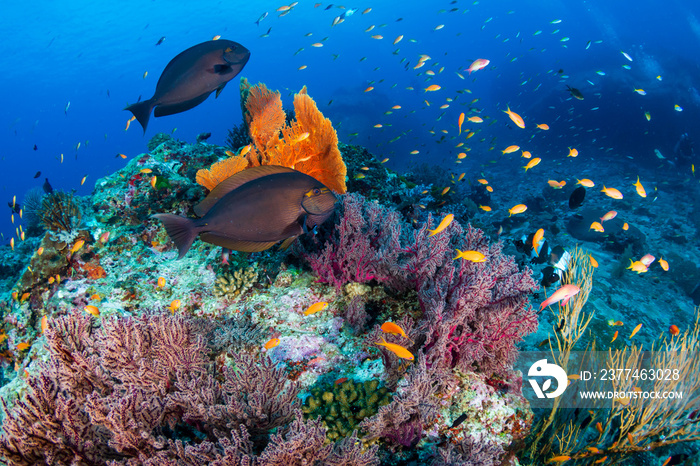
[309, 144]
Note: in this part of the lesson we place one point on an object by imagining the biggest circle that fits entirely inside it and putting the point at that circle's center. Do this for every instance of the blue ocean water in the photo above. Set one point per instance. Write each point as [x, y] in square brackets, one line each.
[93, 55]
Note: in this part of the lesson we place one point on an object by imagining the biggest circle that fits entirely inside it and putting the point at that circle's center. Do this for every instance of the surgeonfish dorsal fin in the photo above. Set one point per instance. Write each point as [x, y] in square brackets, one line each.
[235, 181]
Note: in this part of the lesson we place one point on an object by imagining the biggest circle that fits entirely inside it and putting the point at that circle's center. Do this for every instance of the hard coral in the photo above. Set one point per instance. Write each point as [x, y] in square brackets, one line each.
[344, 405]
[309, 144]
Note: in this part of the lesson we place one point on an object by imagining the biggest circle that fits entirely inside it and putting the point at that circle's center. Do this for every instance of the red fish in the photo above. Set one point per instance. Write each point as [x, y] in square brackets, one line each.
[563, 294]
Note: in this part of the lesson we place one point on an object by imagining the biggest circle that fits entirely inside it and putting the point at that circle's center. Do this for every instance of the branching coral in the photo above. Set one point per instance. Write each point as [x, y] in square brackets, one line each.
[309, 144]
[143, 391]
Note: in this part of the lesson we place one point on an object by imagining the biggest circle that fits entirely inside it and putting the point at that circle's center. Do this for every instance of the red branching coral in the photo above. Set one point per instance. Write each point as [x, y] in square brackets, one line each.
[142, 391]
[473, 313]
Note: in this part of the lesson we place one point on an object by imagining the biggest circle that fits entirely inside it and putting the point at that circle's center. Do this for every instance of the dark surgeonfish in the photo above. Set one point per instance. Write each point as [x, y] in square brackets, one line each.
[191, 76]
[575, 93]
[577, 197]
[254, 209]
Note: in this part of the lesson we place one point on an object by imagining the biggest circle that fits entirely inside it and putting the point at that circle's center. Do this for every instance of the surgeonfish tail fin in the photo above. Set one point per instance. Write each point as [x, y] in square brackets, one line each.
[142, 112]
[181, 230]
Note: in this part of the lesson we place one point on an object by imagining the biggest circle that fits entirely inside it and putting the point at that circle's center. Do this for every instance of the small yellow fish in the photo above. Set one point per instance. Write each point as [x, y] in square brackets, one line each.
[471, 256]
[515, 118]
[517, 209]
[390, 327]
[625, 226]
[559, 459]
[637, 266]
[510, 149]
[145, 170]
[44, 324]
[175, 305]
[640, 189]
[302, 67]
[647, 115]
[585, 182]
[444, 191]
[636, 329]
[572, 152]
[317, 307]
[161, 282]
[461, 155]
[536, 239]
[443, 224]
[359, 176]
[614, 336]
[90, 309]
[663, 264]
[532, 163]
[369, 88]
[556, 184]
[543, 126]
[272, 343]
[526, 154]
[23, 346]
[483, 181]
[597, 227]
[398, 39]
[216, 37]
[432, 88]
[485, 208]
[476, 119]
[76, 247]
[301, 137]
[459, 122]
[398, 350]
[594, 263]
[154, 180]
[40, 251]
[82, 182]
[611, 192]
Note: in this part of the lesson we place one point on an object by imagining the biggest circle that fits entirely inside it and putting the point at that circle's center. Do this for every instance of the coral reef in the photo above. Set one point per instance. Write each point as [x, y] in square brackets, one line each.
[233, 285]
[141, 391]
[473, 314]
[309, 144]
[344, 404]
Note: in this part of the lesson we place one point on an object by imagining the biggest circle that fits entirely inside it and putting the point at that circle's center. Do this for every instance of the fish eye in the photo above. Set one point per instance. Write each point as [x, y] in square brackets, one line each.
[317, 192]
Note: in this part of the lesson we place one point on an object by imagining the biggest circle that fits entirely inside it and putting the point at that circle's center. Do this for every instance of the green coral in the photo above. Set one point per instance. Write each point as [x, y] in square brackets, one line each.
[343, 406]
[232, 285]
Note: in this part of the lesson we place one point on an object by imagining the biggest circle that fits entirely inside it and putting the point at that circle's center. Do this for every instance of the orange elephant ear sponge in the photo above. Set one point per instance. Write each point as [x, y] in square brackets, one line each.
[309, 144]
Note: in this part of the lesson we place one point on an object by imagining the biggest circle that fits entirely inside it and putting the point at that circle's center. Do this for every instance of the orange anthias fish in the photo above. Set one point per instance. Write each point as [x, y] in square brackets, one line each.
[608, 216]
[92, 310]
[543, 126]
[390, 327]
[317, 307]
[611, 192]
[585, 182]
[556, 184]
[532, 163]
[637, 266]
[76, 247]
[515, 118]
[478, 64]
[636, 329]
[517, 209]
[272, 343]
[476, 119]
[597, 227]
[572, 152]
[640, 189]
[563, 294]
[536, 239]
[459, 122]
[443, 224]
[432, 88]
[511, 149]
[471, 256]
[663, 264]
[398, 350]
[647, 259]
